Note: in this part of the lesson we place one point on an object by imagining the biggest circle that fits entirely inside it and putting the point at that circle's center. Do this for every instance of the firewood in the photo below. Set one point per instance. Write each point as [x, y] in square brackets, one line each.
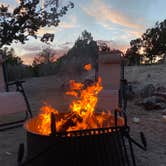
[70, 121]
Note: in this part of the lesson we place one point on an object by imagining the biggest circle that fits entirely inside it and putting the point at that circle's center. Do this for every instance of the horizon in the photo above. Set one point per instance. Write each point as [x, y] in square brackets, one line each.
[117, 22]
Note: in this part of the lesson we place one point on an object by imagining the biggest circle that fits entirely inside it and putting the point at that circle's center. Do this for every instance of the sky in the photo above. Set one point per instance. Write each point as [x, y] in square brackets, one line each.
[114, 21]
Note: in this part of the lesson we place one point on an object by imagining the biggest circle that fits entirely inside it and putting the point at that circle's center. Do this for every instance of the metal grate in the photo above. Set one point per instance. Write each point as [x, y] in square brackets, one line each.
[95, 147]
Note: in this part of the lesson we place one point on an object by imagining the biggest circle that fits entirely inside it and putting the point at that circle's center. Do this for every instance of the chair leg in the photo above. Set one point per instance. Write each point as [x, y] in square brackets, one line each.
[27, 103]
[20, 88]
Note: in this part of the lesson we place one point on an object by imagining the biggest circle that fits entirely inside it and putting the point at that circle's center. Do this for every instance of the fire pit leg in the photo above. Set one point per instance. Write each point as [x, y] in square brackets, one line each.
[20, 154]
[132, 153]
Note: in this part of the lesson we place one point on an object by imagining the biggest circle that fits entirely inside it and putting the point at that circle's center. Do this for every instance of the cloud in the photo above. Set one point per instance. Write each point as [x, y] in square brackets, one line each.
[66, 45]
[128, 35]
[71, 23]
[18, 1]
[106, 25]
[29, 57]
[31, 47]
[113, 19]
[135, 33]
[42, 31]
[30, 51]
[104, 13]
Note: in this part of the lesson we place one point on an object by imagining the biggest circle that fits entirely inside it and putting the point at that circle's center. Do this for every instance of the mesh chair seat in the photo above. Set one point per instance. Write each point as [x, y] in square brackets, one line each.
[12, 102]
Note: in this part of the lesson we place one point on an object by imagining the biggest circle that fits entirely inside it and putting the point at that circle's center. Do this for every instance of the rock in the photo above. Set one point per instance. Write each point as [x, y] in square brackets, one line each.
[164, 118]
[154, 102]
[164, 112]
[161, 89]
[8, 153]
[129, 92]
[148, 75]
[133, 90]
[161, 94]
[136, 120]
[147, 90]
[138, 102]
[160, 105]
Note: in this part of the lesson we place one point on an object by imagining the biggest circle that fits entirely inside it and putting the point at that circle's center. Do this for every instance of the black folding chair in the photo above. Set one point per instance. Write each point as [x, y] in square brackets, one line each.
[12, 102]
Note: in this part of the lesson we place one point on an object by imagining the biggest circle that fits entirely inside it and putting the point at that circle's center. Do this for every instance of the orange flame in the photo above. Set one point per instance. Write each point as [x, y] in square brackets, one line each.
[82, 112]
[88, 67]
[86, 100]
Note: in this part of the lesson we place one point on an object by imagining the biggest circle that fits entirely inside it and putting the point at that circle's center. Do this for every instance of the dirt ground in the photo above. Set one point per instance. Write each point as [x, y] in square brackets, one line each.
[49, 89]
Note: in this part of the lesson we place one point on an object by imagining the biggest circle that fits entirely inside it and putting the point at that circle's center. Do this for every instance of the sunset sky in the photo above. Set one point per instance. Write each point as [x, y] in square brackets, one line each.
[116, 21]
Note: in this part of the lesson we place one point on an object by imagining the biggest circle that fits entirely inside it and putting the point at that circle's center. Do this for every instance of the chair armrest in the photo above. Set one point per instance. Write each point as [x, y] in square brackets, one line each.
[17, 82]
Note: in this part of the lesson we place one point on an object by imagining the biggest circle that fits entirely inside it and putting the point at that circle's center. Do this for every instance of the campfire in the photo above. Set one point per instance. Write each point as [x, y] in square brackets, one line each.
[81, 114]
[82, 135]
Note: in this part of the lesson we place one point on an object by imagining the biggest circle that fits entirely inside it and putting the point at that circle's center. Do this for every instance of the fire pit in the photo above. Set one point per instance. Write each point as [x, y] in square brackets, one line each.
[80, 137]
[105, 146]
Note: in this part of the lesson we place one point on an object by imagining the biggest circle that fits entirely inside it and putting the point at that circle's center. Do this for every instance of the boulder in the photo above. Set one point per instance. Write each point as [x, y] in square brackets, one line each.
[161, 89]
[133, 90]
[160, 94]
[129, 92]
[138, 102]
[154, 102]
[147, 91]
[164, 112]
[164, 118]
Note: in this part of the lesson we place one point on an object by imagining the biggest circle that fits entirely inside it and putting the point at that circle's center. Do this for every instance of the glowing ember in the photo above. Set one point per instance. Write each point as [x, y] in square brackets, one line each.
[88, 67]
[82, 112]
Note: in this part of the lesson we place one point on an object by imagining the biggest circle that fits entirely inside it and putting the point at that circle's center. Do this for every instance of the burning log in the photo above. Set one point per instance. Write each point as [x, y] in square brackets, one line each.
[70, 120]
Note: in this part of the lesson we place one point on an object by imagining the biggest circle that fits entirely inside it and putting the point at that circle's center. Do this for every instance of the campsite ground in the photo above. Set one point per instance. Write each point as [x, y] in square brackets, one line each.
[50, 89]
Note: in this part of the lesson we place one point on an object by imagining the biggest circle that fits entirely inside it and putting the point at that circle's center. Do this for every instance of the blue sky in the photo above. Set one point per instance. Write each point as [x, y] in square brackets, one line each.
[118, 21]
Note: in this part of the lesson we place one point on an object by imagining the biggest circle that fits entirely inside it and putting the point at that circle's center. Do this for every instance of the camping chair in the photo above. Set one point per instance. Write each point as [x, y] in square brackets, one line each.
[111, 70]
[113, 96]
[12, 102]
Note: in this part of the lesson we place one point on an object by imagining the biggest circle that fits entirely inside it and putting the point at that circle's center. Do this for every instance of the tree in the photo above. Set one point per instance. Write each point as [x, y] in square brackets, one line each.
[116, 51]
[46, 56]
[150, 43]
[85, 46]
[27, 19]
[11, 57]
[43, 64]
[84, 40]
[133, 53]
[14, 67]
[85, 43]
[84, 51]
[104, 47]
[153, 42]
